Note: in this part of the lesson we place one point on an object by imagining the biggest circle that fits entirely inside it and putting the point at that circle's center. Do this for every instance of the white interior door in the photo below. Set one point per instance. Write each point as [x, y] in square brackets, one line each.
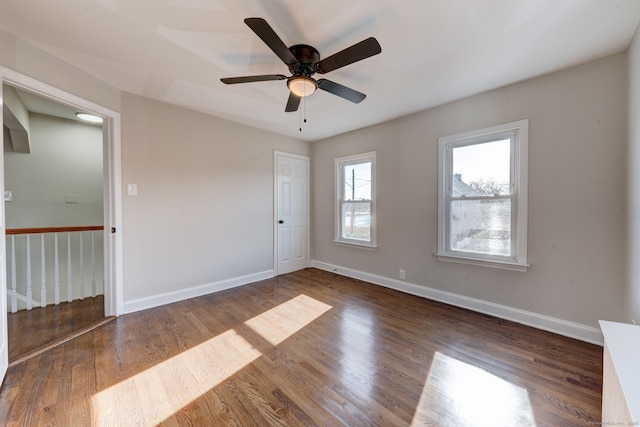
[292, 212]
[4, 335]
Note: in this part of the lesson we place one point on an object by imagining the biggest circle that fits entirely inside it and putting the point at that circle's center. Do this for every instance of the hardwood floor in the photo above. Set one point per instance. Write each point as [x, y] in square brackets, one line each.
[308, 348]
[32, 329]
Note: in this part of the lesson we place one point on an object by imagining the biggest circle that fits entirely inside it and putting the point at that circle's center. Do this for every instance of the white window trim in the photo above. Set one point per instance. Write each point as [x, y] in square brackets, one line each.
[520, 190]
[345, 161]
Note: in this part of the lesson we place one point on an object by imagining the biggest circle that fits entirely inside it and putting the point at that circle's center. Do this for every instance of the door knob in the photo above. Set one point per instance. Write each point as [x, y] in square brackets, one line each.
[281, 222]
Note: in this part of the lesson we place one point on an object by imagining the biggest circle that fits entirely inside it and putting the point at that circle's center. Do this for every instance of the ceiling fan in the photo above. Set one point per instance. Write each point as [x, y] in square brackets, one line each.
[304, 61]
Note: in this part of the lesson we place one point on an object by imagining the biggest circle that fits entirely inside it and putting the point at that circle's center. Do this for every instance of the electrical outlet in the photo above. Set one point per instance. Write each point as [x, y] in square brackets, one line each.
[401, 274]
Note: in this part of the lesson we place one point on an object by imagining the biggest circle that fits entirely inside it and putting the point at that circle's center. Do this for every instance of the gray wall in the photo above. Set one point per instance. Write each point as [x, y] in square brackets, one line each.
[633, 219]
[577, 194]
[204, 210]
[65, 158]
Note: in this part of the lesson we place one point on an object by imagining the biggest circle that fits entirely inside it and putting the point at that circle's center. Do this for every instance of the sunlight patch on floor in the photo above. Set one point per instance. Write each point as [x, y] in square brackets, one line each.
[279, 323]
[153, 395]
[463, 394]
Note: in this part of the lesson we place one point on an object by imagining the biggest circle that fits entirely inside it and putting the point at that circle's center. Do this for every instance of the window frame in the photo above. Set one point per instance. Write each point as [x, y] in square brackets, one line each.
[339, 165]
[518, 132]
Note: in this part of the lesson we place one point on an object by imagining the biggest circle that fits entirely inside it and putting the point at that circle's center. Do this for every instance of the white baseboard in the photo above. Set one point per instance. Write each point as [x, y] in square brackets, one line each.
[539, 321]
[194, 291]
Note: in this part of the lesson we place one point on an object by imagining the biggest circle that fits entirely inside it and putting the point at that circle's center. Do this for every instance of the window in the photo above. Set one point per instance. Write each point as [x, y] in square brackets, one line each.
[482, 196]
[355, 193]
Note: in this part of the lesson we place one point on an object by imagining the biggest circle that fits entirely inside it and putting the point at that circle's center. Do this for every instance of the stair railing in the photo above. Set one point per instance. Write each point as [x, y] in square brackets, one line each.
[54, 252]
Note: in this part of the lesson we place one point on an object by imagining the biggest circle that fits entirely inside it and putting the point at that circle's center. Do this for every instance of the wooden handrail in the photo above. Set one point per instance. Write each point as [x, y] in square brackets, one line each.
[41, 230]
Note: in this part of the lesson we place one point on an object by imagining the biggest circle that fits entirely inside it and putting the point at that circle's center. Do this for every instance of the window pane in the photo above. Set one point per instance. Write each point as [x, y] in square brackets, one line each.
[356, 183]
[482, 169]
[482, 226]
[356, 221]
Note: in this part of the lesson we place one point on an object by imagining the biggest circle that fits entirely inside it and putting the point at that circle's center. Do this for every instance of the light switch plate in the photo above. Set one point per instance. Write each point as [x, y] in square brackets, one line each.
[8, 196]
[132, 189]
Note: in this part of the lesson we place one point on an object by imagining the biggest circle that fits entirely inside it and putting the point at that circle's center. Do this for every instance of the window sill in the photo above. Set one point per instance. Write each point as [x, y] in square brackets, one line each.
[355, 245]
[503, 265]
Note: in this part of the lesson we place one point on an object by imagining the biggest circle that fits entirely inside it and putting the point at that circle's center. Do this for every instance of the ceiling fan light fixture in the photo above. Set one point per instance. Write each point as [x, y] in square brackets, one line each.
[302, 85]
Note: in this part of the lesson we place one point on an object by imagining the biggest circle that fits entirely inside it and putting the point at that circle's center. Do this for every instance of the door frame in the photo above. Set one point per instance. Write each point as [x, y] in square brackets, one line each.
[112, 181]
[276, 155]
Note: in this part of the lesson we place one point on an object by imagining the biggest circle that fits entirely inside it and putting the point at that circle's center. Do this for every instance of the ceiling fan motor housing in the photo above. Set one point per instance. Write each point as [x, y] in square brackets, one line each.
[307, 56]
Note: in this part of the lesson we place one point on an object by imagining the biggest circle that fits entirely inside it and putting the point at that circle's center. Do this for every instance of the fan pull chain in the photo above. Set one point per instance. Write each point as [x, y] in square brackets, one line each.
[304, 107]
[300, 110]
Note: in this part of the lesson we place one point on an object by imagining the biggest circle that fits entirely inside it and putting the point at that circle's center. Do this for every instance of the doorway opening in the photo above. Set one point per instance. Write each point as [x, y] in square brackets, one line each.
[61, 183]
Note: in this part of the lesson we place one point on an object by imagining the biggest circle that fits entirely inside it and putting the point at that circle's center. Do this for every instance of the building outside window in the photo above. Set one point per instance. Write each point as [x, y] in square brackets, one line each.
[482, 212]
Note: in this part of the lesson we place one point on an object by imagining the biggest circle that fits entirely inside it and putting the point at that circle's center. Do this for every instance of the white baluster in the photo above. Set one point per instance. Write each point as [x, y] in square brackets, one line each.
[93, 267]
[56, 271]
[43, 275]
[14, 281]
[81, 266]
[69, 275]
[29, 290]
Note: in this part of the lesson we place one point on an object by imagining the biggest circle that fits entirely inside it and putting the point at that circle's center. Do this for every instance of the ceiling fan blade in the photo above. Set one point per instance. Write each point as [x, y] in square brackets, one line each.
[249, 79]
[271, 39]
[341, 91]
[355, 53]
[293, 103]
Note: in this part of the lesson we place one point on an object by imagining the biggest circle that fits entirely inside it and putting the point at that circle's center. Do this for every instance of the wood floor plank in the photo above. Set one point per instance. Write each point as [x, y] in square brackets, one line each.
[30, 330]
[308, 348]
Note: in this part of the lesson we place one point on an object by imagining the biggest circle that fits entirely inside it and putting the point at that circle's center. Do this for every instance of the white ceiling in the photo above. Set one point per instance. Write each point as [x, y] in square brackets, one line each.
[433, 51]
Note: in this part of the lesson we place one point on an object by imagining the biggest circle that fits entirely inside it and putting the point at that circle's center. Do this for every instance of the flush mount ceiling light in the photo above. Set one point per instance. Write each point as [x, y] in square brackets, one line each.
[302, 85]
[89, 117]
